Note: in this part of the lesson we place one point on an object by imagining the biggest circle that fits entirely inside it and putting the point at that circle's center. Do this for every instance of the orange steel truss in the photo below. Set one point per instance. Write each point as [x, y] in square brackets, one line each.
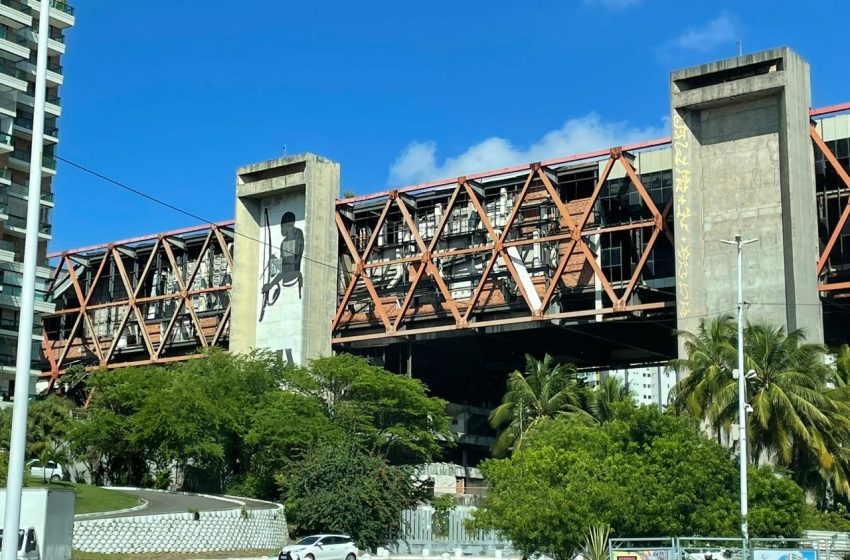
[826, 285]
[575, 227]
[83, 344]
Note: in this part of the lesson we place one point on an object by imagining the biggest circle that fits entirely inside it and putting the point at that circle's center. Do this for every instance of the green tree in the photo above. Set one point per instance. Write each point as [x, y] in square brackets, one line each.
[606, 395]
[711, 354]
[800, 418]
[341, 488]
[545, 390]
[391, 415]
[285, 427]
[644, 473]
[49, 422]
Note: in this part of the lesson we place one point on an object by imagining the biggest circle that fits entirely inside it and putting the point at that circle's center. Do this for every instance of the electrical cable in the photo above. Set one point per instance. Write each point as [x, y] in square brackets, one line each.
[180, 210]
[173, 207]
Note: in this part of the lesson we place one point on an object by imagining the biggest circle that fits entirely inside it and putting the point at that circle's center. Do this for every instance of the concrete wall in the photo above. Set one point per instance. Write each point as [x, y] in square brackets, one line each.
[180, 532]
[742, 161]
[311, 183]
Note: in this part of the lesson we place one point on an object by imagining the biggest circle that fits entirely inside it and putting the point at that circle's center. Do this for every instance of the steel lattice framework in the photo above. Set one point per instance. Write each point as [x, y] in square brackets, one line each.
[572, 237]
[827, 286]
[181, 278]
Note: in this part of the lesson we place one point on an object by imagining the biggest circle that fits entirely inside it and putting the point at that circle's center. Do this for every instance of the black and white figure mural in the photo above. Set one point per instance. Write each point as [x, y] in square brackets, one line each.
[281, 281]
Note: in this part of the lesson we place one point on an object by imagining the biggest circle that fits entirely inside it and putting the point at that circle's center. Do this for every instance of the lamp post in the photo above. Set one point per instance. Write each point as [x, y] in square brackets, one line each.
[742, 392]
[17, 445]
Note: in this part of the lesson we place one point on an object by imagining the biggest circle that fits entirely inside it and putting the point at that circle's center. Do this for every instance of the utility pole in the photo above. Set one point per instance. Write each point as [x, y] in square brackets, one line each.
[17, 446]
[742, 391]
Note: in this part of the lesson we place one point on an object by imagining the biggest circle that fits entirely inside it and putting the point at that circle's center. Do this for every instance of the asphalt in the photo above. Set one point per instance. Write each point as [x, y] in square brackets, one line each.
[176, 502]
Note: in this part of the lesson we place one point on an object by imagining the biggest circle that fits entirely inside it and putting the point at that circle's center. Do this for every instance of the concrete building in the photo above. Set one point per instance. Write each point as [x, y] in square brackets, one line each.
[18, 44]
[650, 384]
[595, 258]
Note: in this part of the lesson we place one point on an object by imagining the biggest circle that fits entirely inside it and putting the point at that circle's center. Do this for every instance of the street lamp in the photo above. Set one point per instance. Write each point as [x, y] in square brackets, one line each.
[742, 393]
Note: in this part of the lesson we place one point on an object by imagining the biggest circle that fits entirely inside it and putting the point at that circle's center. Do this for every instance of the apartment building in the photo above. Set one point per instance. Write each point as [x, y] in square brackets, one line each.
[18, 45]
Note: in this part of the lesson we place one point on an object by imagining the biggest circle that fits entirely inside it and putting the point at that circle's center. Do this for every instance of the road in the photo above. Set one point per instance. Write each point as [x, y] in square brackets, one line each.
[175, 502]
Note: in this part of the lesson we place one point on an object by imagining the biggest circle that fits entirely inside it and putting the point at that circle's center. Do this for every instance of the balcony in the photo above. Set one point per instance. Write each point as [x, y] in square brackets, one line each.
[52, 107]
[55, 43]
[9, 361]
[51, 131]
[17, 224]
[61, 13]
[20, 159]
[54, 72]
[22, 192]
[15, 14]
[12, 325]
[14, 43]
[12, 76]
[5, 175]
[5, 143]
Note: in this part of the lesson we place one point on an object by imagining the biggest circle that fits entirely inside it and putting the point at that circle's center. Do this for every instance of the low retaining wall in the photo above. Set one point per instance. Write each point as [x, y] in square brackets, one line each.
[181, 532]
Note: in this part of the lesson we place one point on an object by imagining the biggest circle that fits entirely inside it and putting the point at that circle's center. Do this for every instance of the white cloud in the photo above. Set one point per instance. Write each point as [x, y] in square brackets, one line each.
[419, 162]
[612, 4]
[723, 30]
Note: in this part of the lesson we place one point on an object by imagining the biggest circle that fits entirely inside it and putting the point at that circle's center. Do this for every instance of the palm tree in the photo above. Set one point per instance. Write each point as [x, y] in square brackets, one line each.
[711, 353]
[545, 390]
[611, 390]
[842, 364]
[800, 407]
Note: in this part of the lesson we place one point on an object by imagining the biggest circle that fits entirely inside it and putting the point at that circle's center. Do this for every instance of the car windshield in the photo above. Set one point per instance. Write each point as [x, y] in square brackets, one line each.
[307, 540]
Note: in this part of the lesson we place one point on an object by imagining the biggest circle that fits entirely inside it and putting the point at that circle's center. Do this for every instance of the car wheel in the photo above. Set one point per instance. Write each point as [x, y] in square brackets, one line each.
[55, 478]
[351, 556]
[309, 557]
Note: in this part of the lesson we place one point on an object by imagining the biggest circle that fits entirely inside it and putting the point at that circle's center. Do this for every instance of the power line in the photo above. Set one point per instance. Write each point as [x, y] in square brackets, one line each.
[192, 215]
[175, 208]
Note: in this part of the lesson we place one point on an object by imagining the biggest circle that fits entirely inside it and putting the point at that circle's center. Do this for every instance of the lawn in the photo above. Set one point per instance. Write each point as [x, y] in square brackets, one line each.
[91, 499]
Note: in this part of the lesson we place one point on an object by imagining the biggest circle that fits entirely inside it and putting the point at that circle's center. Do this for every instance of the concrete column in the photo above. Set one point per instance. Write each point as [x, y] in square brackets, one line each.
[285, 257]
[742, 163]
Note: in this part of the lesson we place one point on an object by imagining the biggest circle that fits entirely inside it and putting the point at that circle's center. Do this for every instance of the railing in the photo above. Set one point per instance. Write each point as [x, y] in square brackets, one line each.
[15, 291]
[12, 70]
[21, 223]
[53, 99]
[13, 324]
[23, 155]
[15, 5]
[6, 173]
[22, 191]
[12, 36]
[5, 138]
[7, 246]
[62, 7]
[9, 360]
[54, 67]
[27, 124]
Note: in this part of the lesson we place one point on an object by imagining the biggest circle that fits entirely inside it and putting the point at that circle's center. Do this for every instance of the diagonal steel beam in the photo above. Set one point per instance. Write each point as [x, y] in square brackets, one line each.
[845, 178]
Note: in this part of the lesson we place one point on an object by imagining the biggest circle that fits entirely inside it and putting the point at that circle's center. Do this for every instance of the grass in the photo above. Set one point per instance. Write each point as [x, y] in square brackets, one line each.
[90, 499]
[80, 555]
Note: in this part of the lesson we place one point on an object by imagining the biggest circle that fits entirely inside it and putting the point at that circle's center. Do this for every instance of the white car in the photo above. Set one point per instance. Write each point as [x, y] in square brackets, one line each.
[51, 471]
[320, 547]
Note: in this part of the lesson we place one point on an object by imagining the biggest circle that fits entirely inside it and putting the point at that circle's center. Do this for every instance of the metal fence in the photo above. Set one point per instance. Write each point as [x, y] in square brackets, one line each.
[816, 545]
[418, 535]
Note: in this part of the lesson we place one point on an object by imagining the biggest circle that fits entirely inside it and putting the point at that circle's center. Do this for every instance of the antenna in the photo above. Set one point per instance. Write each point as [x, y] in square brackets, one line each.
[740, 47]
[284, 150]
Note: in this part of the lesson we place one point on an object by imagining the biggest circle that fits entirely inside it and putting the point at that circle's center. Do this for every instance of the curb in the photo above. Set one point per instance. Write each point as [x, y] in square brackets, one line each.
[142, 505]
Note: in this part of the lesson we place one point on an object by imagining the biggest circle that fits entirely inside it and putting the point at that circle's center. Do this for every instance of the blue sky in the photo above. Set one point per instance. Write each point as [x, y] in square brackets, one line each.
[170, 96]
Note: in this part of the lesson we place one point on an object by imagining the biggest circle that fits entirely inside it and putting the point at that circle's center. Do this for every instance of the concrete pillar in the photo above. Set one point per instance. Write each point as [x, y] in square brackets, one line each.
[742, 163]
[285, 257]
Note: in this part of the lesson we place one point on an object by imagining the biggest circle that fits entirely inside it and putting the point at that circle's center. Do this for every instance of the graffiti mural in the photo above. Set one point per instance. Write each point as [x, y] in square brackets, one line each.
[281, 280]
